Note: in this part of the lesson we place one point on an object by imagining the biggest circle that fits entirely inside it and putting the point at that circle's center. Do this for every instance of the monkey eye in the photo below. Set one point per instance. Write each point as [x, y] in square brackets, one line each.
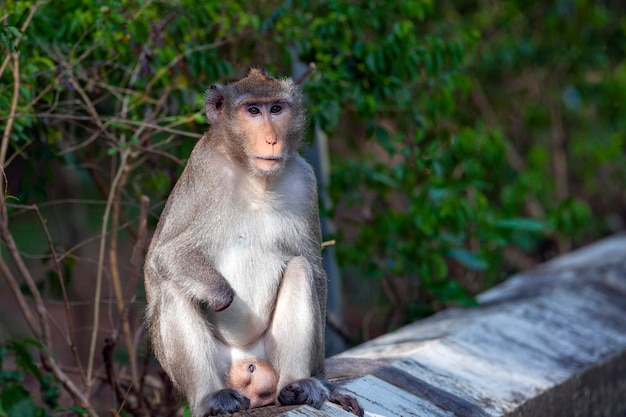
[254, 110]
[251, 368]
[275, 109]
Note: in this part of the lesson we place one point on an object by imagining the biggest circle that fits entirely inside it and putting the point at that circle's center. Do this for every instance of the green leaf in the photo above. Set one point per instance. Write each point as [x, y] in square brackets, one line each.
[23, 17]
[383, 178]
[24, 359]
[17, 401]
[78, 410]
[522, 223]
[467, 259]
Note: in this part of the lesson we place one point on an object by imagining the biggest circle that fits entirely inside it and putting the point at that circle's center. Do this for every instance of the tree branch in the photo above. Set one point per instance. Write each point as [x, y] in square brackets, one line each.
[16, 93]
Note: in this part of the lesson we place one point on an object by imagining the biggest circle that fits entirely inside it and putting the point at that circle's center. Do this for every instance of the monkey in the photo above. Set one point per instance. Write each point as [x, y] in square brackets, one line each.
[234, 269]
[255, 379]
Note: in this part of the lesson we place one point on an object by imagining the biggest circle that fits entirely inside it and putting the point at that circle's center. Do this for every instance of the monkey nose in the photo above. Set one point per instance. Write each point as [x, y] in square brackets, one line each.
[271, 140]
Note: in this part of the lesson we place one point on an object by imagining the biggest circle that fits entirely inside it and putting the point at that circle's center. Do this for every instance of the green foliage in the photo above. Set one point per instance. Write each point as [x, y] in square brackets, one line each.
[464, 135]
[10, 34]
[551, 74]
[15, 398]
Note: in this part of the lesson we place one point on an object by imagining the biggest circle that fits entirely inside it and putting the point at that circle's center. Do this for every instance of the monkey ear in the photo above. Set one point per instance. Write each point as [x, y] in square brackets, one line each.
[214, 102]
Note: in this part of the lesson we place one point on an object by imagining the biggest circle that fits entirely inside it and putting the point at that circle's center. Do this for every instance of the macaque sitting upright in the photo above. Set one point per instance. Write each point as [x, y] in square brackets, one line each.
[234, 269]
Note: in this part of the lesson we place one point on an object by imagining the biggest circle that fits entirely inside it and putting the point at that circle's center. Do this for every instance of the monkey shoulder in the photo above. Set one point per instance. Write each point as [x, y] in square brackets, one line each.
[303, 169]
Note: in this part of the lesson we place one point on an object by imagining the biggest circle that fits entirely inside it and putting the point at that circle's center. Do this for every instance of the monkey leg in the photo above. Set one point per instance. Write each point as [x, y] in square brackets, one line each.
[295, 341]
[192, 356]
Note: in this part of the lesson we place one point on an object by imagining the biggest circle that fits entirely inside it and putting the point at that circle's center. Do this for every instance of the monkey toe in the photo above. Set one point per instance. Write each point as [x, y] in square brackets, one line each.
[309, 391]
[347, 402]
[227, 401]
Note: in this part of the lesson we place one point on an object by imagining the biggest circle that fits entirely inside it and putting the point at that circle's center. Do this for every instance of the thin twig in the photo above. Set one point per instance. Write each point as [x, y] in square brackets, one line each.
[113, 256]
[329, 243]
[41, 330]
[44, 332]
[105, 220]
[19, 297]
[68, 312]
[111, 120]
[91, 108]
[16, 153]
[139, 248]
[16, 90]
[180, 56]
[115, 278]
[309, 70]
[31, 13]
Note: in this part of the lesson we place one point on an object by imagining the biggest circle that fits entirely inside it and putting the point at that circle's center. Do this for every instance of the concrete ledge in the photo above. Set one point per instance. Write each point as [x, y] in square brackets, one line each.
[548, 342]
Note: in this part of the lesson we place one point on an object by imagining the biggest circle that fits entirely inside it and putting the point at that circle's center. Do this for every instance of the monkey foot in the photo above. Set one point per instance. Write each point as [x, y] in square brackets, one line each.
[309, 391]
[226, 401]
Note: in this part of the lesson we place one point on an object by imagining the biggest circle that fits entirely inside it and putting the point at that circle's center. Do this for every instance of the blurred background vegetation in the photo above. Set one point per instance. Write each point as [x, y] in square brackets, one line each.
[468, 140]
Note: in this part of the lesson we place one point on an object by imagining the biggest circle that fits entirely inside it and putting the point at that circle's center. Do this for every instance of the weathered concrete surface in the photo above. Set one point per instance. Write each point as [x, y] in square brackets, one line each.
[546, 343]
[549, 342]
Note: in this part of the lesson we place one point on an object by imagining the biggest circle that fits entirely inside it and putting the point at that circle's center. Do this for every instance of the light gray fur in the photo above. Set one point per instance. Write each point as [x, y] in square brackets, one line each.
[234, 268]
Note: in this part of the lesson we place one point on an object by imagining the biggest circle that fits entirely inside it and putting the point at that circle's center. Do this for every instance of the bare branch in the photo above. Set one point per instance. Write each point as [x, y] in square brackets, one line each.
[31, 13]
[117, 121]
[105, 221]
[305, 75]
[180, 56]
[66, 302]
[16, 91]
[19, 297]
[41, 330]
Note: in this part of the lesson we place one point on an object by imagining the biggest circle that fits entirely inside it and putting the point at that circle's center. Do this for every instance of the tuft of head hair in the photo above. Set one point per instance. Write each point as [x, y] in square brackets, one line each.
[261, 84]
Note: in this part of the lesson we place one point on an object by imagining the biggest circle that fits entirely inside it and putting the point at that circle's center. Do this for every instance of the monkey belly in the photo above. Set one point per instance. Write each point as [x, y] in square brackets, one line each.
[256, 284]
[239, 325]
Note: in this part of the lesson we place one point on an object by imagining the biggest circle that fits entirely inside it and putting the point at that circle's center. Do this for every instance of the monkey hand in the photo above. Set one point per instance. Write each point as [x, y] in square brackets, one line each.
[219, 294]
[226, 401]
[309, 391]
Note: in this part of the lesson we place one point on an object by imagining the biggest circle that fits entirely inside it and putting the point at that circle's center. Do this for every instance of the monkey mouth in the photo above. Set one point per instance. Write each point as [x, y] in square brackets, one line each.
[269, 158]
[268, 164]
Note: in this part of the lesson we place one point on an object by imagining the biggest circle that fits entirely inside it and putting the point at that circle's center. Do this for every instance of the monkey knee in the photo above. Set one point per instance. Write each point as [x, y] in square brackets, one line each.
[299, 266]
[298, 262]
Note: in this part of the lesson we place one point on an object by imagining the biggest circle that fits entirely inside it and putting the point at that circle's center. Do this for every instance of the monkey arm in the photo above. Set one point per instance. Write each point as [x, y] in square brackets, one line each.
[319, 283]
[193, 273]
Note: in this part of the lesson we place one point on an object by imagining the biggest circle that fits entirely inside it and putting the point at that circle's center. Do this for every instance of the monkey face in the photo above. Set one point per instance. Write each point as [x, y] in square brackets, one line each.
[264, 126]
[259, 119]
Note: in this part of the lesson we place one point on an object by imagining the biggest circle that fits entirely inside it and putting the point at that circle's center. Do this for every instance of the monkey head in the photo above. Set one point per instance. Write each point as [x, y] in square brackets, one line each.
[258, 118]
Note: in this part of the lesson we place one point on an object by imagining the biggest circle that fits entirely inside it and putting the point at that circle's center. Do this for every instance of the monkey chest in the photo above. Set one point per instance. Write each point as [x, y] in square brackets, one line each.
[252, 256]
